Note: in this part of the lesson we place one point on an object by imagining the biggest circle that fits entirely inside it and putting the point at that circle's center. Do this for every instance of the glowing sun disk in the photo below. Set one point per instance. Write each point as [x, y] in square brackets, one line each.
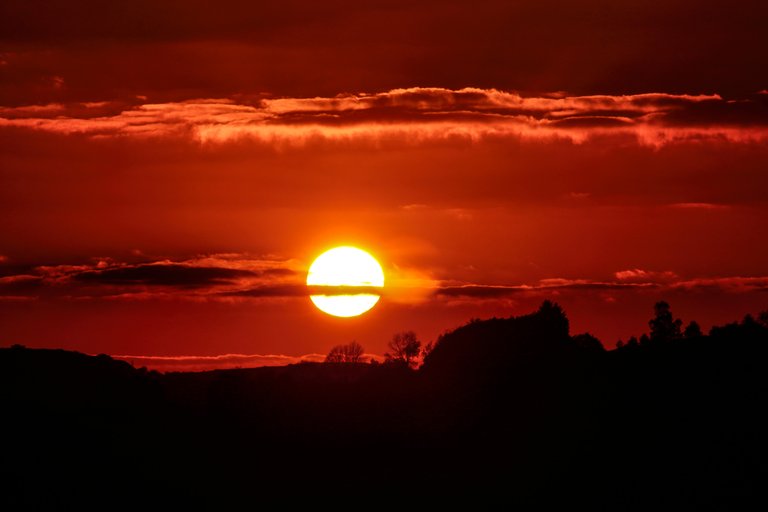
[341, 267]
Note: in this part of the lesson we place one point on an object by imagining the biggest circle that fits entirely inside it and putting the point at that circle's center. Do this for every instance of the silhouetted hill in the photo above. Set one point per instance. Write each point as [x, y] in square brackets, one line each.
[508, 346]
[512, 409]
[73, 379]
[687, 420]
[502, 342]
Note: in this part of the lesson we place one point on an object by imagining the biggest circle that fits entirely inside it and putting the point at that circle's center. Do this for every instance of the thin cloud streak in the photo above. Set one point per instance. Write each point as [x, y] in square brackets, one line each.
[168, 364]
[736, 284]
[640, 275]
[699, 206]
[220, 362]
[635, 279]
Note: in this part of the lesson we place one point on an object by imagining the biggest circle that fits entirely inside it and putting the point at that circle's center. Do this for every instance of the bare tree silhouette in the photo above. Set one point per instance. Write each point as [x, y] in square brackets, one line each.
[349, 353]
[404, 348]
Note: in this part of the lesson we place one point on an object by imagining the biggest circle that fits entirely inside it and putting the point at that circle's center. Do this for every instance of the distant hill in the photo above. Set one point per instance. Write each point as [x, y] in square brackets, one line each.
[73, 379]
[516, 409]
[485, 345]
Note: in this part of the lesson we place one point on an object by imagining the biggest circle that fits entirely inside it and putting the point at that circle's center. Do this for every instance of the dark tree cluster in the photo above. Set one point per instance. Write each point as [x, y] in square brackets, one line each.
[664, 328]
[404, 348]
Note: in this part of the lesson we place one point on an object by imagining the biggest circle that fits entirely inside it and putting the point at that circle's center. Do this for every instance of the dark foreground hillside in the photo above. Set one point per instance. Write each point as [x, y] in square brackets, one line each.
[512, 410]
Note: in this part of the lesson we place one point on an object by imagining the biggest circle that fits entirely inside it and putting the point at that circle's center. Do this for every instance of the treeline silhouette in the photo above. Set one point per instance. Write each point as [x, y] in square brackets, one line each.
[512, 411]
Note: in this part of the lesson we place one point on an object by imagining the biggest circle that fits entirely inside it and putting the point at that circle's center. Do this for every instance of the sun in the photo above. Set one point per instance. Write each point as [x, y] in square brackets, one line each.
[343, 281]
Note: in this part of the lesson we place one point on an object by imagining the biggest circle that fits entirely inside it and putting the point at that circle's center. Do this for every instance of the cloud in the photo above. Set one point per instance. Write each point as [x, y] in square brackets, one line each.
[222, 362]
[637, 275]
[286, 290]
[226, 277]
[491, 291]
[699, 206]
[634, 279]
[414, 207]
[49, 110]
[726, 284]
[479, 291]
[238, 277]
[415, 115]
[205, 277]
[164, 274]
[586, 284]
[474, 100]
[219, 362]
[21, 284]
[17, 298]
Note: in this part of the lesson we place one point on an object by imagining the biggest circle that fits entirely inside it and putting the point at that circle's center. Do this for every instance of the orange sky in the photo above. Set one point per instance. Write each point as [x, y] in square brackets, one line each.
[166, 180]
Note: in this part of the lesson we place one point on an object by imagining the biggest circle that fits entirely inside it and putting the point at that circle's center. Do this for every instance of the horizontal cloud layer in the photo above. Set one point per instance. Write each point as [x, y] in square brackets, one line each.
[230, 277]
[414, 114]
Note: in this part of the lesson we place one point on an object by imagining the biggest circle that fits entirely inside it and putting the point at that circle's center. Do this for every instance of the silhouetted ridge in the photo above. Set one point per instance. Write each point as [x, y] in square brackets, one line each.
[485, 345]
[514, 410]
[74, 380]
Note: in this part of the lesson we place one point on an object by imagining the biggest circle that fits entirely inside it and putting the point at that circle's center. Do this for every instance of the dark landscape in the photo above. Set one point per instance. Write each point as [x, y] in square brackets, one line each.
[515, 411]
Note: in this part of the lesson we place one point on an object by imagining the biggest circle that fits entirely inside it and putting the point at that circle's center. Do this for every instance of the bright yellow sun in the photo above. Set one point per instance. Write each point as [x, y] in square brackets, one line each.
[343, 281]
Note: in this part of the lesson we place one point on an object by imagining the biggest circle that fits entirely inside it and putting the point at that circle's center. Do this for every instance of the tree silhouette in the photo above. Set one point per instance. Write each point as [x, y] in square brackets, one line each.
[762, 318]
[349, 353]
[427, 349]
[663, 326]
[692, 330]
[404, 348]
[587, 341]
[552, 314]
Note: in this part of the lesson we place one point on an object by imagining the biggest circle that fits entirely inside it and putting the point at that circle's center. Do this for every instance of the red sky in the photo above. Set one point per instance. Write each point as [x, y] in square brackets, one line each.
[167, 173]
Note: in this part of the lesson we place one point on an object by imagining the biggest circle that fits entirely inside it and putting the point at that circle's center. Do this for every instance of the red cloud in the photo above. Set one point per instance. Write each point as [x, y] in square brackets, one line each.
[728, 284]
[634, 279]
[208, 277]
[699, 206]
[238, 277]
[645, 276]
[222, 362]
[414, 114]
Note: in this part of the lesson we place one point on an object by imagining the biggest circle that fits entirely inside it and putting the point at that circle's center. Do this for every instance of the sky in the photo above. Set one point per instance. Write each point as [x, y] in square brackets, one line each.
[168, 171]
